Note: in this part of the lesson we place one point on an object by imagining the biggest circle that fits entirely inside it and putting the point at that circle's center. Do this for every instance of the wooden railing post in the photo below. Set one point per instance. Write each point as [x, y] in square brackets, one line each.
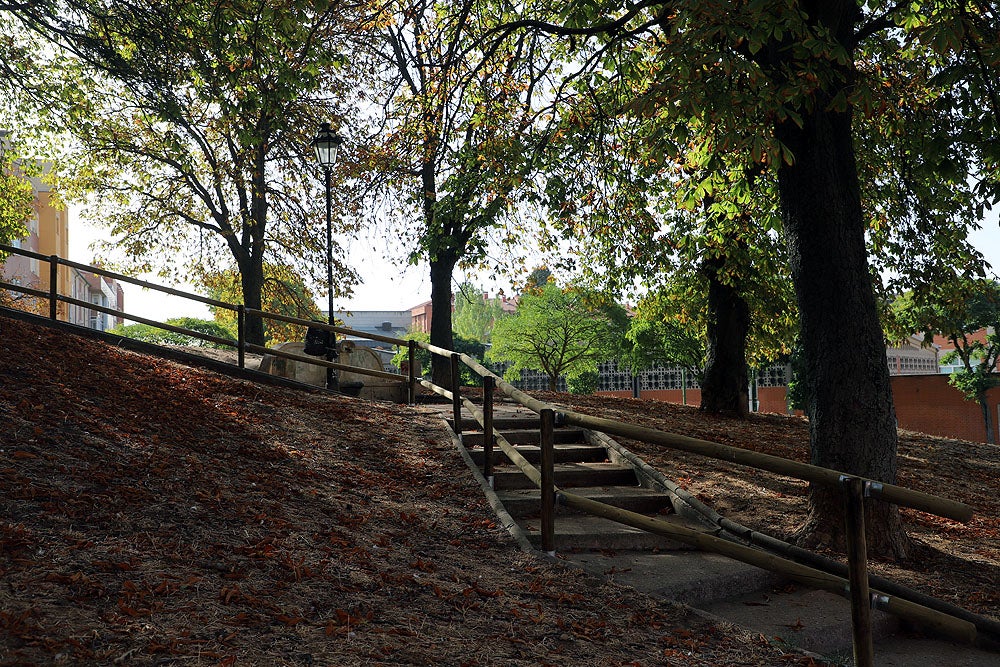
[412, 380]
[241, 324]
[488, 385]
[548, 483]
[857, 568]
[456, 393]
[53, 284]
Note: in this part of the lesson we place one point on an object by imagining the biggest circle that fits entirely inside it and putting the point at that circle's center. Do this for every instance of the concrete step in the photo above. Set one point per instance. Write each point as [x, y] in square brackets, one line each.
[527, 502]
[533, 453]
[905, 650]
[576, 532]
[689, 577]
[499, 423]
[763, 602]
[525, 436]
[569, 475]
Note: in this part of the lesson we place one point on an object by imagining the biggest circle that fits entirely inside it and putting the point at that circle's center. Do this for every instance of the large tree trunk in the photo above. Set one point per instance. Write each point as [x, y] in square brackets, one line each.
[724, 388]
[252, 284]
[987, 418]
[249, 251]
[442, 269]
[852, 420]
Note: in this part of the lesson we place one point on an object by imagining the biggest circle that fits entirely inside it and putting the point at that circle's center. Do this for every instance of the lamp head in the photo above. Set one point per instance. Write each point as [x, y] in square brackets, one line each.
[326, 144]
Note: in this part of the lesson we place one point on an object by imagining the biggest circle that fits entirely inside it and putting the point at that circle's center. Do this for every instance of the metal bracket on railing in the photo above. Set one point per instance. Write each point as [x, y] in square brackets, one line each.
[559, 419]
[873, 489]
[880, 602]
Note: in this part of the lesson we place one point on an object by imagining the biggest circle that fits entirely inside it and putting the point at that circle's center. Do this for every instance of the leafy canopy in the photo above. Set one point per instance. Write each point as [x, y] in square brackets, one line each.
[559, 331]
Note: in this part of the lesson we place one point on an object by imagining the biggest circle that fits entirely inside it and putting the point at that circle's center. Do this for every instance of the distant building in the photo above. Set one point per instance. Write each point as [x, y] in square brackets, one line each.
[390, 323]
[420, 317]
[48, 234]
[99, 290]
[912, 357]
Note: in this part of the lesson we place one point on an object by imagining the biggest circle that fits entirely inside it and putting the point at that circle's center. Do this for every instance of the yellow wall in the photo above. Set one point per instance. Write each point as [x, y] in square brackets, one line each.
[53, 239]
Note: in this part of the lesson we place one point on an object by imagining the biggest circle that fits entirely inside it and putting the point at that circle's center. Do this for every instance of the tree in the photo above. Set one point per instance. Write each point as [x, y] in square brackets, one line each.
[283, 292]
[16, 196]
[782, 84]
[457, 121]
[559, 331]
[151, 334]
[475, 313]
[664, 331]
[470, 346]
[195, 119]
[967, 313]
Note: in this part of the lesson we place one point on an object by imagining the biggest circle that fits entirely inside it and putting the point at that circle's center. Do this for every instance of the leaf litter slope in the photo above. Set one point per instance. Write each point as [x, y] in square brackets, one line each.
[959, 563]
[153, 514]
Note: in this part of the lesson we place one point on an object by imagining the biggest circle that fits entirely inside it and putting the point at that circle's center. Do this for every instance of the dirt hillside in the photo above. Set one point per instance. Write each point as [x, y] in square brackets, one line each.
[151, 514]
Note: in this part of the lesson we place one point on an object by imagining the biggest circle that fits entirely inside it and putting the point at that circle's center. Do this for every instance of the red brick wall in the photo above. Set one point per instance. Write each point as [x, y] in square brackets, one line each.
[924, 403]
[928, 404]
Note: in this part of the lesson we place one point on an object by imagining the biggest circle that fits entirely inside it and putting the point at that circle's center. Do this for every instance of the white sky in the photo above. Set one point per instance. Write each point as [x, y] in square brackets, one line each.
[385, 287]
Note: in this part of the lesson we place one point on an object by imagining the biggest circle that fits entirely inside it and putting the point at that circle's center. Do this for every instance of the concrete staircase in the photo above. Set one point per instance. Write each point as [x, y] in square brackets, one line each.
[583, 467]
[816, 622]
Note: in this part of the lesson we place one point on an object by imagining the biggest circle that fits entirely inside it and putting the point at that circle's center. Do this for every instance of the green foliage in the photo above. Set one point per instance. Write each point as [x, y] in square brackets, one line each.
[150, 334]
[797, 395]
[475, 315]
[283, 293]
[663, 333]
[965, 312]
[474, 348]
[586, 382]
[16, 197]
[559, 331]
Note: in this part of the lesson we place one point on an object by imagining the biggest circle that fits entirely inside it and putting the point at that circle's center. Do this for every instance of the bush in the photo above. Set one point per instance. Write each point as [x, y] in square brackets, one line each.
[150, 334]
[474, 348]
[583, 383]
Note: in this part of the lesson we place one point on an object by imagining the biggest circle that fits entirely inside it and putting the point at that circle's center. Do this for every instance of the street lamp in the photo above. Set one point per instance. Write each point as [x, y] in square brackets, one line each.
[326, 144]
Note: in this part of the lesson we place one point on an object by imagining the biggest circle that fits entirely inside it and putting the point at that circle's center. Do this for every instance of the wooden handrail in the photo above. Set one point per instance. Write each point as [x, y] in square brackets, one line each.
[898, 495]
[319, 361]
[118, 276]
[327, 327]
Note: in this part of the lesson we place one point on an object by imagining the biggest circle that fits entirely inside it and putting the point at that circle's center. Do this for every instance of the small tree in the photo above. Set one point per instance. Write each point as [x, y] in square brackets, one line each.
[559, 331]
[664, 332]
[283, 292]
[967, 313]
[470, 346]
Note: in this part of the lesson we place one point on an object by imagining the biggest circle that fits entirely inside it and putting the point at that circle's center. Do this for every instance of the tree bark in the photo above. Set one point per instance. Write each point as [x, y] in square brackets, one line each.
[987, 418]
[724, 388]
[852, 419]
[442, 270]
[252, 284]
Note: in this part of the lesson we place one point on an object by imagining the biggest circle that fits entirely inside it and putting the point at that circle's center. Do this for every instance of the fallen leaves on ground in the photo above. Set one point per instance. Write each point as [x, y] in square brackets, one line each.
[153, 514]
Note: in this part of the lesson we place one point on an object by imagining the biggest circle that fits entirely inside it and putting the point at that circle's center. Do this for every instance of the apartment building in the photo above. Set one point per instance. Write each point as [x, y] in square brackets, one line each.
[48, 234]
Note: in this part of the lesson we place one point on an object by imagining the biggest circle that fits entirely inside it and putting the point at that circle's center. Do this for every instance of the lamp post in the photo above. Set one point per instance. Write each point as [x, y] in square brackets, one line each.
[326, 144]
